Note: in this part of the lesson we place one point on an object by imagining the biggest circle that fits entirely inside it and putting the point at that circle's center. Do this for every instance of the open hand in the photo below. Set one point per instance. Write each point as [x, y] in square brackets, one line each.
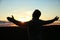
[10, 18]
[56, 18]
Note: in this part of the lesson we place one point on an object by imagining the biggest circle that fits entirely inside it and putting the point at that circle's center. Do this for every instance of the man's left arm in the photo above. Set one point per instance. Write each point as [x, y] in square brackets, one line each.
[51, 21]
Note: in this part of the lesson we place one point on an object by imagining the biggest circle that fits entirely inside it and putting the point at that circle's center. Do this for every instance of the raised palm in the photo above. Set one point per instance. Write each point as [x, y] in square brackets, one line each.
[56, 18]
[10, 18]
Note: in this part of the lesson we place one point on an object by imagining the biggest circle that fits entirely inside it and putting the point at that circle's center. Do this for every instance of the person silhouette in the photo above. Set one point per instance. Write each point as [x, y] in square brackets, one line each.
[34, 25]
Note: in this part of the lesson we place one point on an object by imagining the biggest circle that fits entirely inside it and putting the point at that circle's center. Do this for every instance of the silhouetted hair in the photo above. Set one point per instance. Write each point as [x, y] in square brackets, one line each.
[36, 14]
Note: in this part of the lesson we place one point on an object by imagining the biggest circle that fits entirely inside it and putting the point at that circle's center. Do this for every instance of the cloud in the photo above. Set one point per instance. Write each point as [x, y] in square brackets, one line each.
[6, 24]
[55, 23]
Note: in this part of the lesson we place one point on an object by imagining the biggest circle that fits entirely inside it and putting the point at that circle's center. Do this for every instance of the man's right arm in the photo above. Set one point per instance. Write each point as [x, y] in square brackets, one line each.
[11, 19]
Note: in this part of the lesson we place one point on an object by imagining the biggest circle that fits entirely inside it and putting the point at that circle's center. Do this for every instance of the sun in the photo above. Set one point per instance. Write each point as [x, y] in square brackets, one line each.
[22, 19]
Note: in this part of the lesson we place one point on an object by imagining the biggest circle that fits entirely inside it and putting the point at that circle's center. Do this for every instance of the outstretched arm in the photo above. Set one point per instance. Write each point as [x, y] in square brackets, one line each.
[51, 21]
[11, 19]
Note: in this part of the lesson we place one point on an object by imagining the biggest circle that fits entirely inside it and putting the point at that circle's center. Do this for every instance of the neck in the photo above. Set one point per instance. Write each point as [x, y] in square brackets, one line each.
[35, 18]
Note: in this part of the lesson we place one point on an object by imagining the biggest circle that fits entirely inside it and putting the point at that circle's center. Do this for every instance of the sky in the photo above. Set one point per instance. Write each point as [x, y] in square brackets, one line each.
[23, 9]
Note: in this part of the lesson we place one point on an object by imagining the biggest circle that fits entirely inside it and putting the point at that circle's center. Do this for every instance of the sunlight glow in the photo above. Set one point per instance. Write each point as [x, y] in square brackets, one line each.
[27, 16]
[22, 19]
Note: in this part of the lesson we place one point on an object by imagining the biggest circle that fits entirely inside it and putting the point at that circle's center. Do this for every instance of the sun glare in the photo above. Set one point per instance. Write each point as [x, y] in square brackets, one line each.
[22, 19]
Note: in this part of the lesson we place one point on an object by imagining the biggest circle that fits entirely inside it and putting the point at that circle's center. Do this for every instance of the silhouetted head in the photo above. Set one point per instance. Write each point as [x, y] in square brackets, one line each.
[36, 14]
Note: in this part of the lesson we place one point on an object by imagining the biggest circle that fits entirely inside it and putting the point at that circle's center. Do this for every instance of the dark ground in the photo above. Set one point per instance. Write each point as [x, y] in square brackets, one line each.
[12, 33]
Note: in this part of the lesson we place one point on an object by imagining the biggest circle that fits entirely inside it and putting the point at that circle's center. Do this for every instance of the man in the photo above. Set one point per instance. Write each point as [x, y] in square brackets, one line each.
[34, 24]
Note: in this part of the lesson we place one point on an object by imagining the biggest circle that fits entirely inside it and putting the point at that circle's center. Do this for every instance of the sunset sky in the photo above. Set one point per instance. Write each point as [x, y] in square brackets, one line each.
[23, 9]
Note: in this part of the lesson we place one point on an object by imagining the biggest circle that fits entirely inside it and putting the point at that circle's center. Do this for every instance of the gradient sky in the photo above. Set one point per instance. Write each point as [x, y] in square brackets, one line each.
[23, 9]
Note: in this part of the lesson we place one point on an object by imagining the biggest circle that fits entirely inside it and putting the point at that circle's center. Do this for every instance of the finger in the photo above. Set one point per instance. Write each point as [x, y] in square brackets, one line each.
[12, 16]
[57, 17]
